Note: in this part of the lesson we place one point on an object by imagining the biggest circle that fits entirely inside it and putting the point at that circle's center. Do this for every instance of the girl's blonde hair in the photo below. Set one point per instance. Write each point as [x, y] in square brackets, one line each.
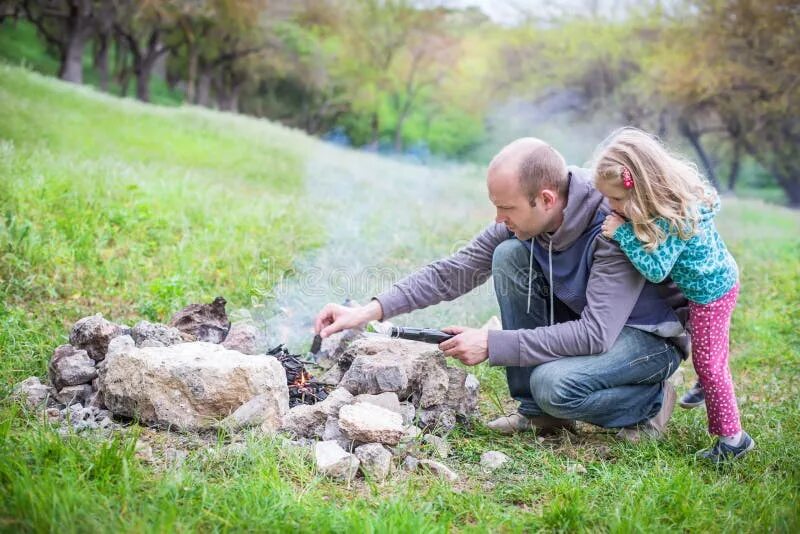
[665, 185]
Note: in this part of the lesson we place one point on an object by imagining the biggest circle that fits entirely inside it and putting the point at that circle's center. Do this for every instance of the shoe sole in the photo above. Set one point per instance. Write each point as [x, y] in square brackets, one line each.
[690, 405]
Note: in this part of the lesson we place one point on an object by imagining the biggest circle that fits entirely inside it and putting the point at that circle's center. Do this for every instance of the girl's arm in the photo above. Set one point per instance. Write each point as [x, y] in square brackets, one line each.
[655, 265]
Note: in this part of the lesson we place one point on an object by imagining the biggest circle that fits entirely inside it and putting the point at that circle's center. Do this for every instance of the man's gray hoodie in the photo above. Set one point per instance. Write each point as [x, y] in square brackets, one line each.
[589, 273]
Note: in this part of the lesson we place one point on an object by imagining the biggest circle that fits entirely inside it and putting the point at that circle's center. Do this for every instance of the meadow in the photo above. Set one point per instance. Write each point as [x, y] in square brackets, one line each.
[133, 210]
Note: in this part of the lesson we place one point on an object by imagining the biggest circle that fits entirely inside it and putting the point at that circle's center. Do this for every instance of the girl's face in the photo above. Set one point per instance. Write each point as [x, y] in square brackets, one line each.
[616, 194]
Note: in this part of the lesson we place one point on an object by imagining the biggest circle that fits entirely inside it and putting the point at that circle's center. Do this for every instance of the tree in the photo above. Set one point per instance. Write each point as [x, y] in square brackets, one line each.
[67, 25]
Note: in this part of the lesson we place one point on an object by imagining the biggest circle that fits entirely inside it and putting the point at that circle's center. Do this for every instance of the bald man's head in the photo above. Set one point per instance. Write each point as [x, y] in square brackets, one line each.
[536, 165]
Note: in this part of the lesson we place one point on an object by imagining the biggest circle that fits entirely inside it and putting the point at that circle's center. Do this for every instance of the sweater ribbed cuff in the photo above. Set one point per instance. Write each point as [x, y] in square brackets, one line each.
[503, 348]
[393, 302]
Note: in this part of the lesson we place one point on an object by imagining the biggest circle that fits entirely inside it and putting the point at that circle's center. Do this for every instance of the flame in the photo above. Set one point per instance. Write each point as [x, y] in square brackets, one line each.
[302, 379]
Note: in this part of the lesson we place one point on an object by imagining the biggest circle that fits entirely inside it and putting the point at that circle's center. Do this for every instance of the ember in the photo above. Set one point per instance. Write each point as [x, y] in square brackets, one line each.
[303, 389]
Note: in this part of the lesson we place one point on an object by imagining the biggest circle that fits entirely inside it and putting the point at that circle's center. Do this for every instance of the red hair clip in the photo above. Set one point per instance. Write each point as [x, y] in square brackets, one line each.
[627, 178]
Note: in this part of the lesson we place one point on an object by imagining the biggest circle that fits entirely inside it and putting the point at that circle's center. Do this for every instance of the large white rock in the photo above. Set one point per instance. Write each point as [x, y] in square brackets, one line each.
[334, 461]
[190, 385]
[308, 420]
[369, 423]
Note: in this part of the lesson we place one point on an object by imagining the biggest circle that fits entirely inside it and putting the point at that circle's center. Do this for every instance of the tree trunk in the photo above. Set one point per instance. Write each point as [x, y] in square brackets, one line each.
[736, 158]
[191, 83]
[101, 60]
[143, 82]
[204, 89]
[694, 139]
[71, 69]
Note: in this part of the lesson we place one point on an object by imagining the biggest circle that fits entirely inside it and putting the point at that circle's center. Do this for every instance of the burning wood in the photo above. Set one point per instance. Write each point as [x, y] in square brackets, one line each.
[303, 388]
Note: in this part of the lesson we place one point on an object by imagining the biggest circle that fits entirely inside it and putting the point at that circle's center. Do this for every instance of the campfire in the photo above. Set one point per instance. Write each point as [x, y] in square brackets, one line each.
[303, 388]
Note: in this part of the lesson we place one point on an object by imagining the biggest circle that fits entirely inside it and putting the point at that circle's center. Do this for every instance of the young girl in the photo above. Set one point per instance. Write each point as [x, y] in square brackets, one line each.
[663, 221]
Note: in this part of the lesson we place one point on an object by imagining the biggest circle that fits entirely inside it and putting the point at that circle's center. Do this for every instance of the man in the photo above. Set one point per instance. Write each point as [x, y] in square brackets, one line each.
[584, 336]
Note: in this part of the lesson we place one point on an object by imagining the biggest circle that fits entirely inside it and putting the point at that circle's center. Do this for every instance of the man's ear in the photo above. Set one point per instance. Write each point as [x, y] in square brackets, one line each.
[549, 198]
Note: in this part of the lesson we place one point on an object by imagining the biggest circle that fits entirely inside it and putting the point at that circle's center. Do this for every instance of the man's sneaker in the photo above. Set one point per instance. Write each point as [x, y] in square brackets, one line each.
[722, 452]
[693, 398]
[542, 424]
[654, 427]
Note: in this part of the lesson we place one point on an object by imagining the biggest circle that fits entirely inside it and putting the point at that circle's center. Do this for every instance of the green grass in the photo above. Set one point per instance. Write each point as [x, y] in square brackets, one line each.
[134, 211]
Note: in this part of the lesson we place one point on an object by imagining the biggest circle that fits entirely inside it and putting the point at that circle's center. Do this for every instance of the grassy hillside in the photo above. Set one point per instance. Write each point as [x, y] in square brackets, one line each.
[109, 205]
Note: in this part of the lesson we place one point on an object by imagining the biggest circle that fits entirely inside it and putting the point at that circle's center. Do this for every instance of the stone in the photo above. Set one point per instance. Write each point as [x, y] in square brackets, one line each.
[437, 419]
[375, 460]
[259, 411]
[71, 367]
[334, 401]
[304, 421]
[188, 386]
[408, 412]
[105, 422]
[96, 400]
[386, 400]
[93, 334]
[333, 346]
[577, 469]
[146, 334]
[462, 394]
[410, 463]
[33, 393]
[439, 445]
[491, 460]
[334, 461]
[400, 366]
[245, 338]
[144, 451]
[439, 469]
[74, 394]
[369, 423]
[308, 420]
[203, 322]
[332, 432]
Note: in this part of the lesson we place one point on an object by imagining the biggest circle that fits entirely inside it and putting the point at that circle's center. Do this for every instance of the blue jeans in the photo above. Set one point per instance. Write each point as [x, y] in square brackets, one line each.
[618, 388]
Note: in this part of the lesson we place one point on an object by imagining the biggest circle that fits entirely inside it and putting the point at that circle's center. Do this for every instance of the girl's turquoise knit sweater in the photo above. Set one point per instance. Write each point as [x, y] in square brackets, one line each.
[700, 266]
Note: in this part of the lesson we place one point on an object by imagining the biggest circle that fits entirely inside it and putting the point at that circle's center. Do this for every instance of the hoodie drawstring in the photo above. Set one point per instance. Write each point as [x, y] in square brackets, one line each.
[550, 282]
[530, 277]
[550, 268]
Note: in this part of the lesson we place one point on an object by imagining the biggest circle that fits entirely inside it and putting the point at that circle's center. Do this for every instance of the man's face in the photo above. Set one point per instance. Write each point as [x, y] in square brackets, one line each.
[513, 207]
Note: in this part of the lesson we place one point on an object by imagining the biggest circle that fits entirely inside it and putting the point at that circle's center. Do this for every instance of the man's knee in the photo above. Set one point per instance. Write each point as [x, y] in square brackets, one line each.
[509, 257]
[557, 393]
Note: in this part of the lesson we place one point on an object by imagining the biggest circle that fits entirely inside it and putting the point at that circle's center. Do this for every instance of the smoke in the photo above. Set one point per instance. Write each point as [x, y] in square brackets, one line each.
[382, 219]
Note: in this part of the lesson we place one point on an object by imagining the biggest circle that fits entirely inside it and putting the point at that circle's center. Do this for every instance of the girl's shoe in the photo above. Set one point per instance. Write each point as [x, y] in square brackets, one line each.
[693, 398]
[722, 452]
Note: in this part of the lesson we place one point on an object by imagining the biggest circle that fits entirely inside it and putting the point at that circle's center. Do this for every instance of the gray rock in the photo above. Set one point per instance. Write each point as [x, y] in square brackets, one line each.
[203, 322]
[491, 460]
[189, 386]
[376, 461]
[369, 423]
[33, 393]
[74, 394]
[175, 457]
[258, 411]
[334, 461]
[146, 334]
[96, 400]
[305, 421]
[71, 367]
[144, 451]
[332, 376]
[439, 445]
[105, 422]
[410, 463]
[439, 469]
[93, 334]
[437, 419]
[412, 370]
[408, 412]
[308, 420]
[386, 400]
[332, 432]
[245, 338]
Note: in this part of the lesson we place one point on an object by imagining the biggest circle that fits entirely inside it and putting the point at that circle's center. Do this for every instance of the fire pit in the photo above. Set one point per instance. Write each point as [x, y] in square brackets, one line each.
[303, 388]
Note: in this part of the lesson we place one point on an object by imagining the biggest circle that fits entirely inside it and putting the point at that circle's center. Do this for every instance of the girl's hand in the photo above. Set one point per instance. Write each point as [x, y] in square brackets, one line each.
[610, 225]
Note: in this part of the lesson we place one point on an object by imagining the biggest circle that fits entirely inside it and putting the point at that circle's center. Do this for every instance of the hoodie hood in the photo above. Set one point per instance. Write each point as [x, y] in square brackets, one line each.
[583, 201]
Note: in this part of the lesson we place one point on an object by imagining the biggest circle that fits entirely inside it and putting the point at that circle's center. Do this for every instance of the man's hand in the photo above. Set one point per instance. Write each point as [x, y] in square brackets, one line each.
[335, 317]
[610, 225]
[469, 346]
